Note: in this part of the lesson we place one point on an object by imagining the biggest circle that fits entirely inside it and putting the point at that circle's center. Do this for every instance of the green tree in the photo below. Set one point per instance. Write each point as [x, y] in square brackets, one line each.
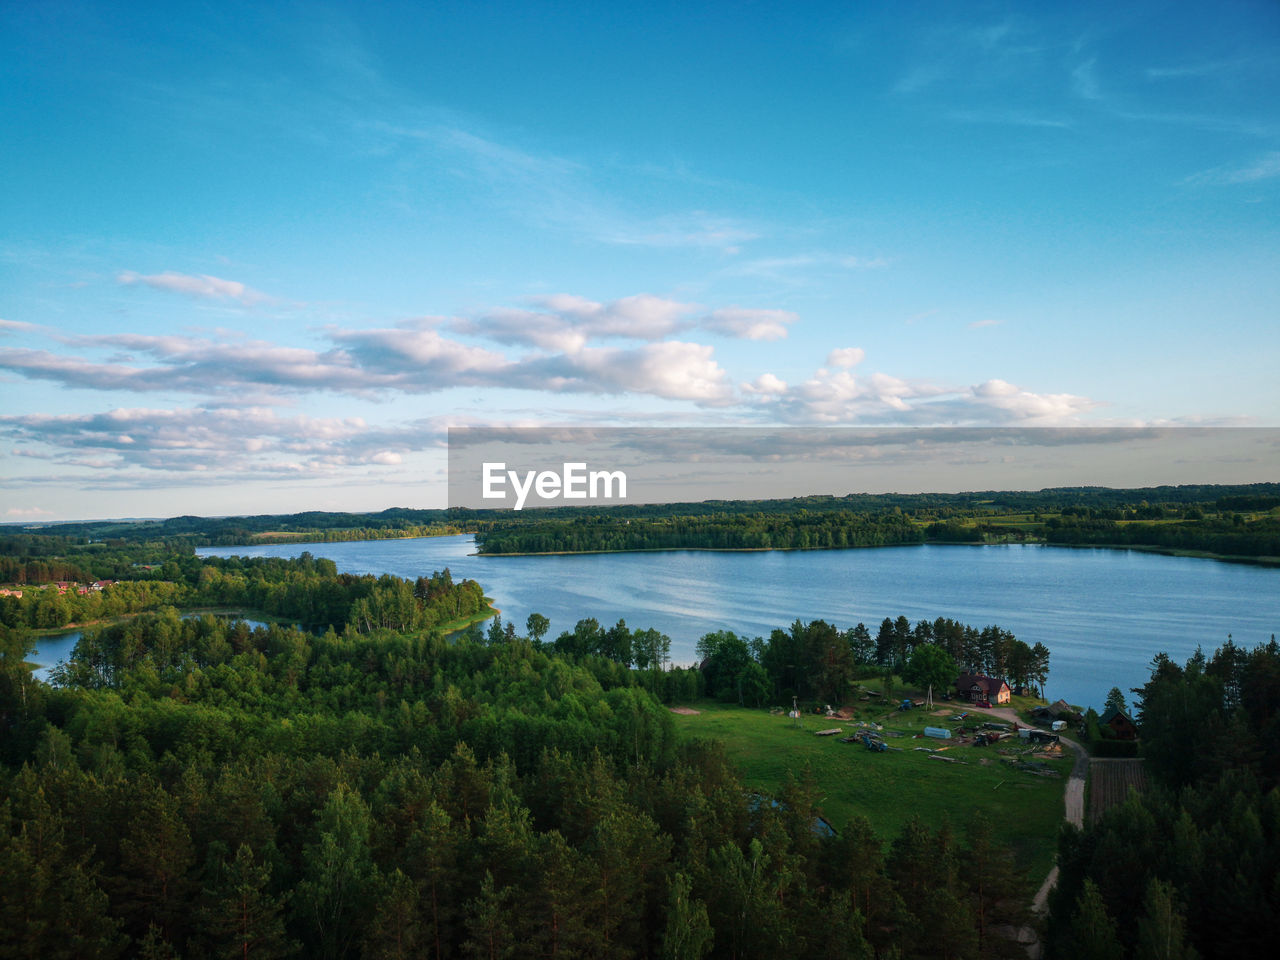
[537, 625]
[1115, 700]
[1162, 929]
[724, 657]
[243, 920]
[861, 645]
[491, 934]
[1093, 932]
[156, 855]
[829, 661]
[396, 930]
[338, 874]
[688, 934]
[930, 668]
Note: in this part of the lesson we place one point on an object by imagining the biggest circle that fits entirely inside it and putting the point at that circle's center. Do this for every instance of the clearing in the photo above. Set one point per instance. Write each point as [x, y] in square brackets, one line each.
[1025, 806]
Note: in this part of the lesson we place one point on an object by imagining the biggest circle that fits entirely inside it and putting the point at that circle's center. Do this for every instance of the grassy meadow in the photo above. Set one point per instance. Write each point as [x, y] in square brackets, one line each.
[1026, 809]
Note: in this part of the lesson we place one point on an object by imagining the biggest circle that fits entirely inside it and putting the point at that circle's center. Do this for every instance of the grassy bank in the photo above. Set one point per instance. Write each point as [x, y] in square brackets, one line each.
[461, 623]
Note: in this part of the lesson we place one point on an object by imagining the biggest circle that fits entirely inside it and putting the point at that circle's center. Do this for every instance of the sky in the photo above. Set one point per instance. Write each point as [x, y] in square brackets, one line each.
[258, 258]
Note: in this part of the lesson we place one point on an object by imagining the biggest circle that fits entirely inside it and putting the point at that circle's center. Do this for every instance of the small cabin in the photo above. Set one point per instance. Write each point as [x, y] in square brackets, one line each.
[976, 686]
[1120, 724]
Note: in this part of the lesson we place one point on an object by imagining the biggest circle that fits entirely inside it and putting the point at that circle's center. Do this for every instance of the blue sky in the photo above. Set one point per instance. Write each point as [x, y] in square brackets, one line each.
[257, 258]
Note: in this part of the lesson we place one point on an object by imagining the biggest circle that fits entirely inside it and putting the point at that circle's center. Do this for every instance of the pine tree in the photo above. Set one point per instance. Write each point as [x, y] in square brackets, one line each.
[243, 921]
[396, 931]
[490, 933]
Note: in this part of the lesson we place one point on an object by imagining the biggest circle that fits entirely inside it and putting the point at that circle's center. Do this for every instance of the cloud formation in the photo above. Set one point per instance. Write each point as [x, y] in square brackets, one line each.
[412, 357]
[206, 442]
[558, 351]
[846, 357]
[567, 323]
[749, 324]
[839, 397]
[202, 287]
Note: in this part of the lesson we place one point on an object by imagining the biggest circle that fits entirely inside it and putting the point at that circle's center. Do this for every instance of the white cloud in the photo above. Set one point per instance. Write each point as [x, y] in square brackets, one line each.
[1023, 405]
[202, 287]
[672, 369]
[846, 357]
[749, 324]
[566, 322]
[766, 385]
[412, 357]
[28, 512]
[837, 396]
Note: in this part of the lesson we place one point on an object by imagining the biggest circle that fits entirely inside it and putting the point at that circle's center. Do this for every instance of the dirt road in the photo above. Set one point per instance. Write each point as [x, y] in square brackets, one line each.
[1074, 802]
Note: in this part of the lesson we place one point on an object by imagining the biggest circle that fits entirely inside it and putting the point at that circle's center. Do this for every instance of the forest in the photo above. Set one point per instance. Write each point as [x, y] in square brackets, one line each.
[193, 787]
[1191, 866]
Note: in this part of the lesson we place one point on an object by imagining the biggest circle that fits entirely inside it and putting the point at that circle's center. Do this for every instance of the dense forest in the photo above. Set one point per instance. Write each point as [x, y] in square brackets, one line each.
[193, 787]
[1191, 866]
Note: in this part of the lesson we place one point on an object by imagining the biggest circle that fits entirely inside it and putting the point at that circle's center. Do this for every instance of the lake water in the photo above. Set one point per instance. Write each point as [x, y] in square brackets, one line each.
[1103, 614]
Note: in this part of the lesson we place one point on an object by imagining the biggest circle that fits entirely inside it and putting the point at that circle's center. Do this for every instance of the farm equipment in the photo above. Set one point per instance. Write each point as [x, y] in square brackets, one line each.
[906, 705]
[874, 743]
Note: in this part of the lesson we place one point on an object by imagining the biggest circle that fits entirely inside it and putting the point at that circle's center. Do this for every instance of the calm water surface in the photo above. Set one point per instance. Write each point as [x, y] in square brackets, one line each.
[1102, 613]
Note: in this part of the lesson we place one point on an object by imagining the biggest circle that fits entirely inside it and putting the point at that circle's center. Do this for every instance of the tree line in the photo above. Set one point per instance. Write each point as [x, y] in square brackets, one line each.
[756, 531]
[818, 661]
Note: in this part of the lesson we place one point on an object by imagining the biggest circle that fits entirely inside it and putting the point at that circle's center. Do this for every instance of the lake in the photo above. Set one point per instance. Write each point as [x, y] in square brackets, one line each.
[1103, 614]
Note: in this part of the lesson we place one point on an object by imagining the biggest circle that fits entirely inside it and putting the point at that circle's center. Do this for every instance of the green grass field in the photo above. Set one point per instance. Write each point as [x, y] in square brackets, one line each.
[888, 788]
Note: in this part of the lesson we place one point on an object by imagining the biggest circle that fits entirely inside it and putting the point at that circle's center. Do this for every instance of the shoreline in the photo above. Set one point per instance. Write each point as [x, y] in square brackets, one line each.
[1261, 561]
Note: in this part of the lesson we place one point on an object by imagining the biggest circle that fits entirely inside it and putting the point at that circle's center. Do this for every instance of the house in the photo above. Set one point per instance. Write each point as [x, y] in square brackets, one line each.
[976, 686]
[1121, 724]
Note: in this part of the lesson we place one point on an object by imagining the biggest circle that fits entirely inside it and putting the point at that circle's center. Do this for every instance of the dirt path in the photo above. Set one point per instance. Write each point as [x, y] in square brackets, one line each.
[1074, 801]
